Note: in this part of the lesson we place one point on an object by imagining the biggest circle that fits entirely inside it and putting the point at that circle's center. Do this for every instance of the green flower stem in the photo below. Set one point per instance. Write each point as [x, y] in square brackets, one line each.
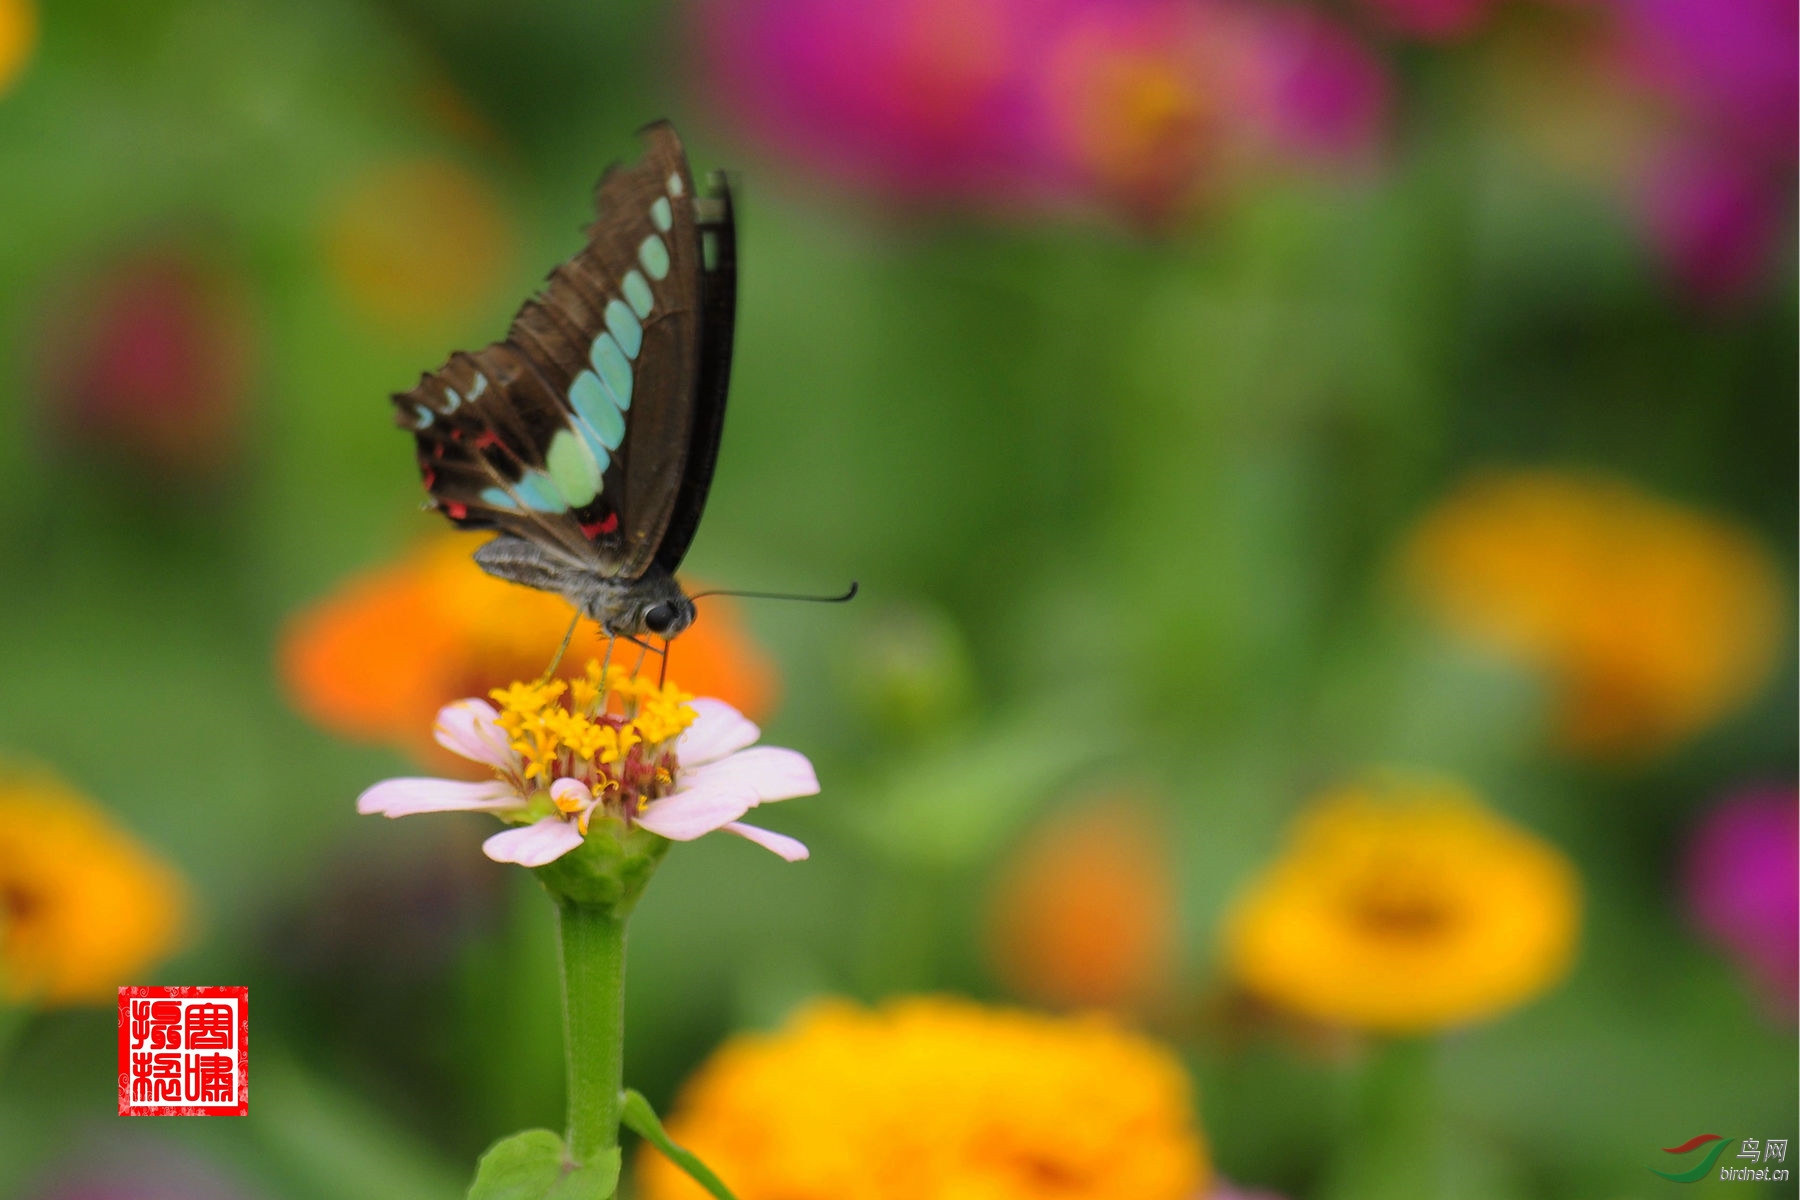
[1393, 1142]
[593, 974]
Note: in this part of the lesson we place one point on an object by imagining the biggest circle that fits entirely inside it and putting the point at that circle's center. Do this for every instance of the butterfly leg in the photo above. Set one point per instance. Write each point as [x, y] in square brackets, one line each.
[644, 649]
[662, 676]
[561, 650]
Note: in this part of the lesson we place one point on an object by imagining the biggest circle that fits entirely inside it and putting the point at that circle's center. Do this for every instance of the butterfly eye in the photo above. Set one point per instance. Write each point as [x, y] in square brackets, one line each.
[660, 619]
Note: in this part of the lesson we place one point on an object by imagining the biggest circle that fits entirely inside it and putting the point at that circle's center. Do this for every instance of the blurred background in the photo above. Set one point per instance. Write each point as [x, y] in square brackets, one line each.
[1377, 415]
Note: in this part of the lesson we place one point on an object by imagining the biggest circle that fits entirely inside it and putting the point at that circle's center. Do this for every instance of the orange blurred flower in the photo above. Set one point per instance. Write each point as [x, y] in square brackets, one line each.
[1651, 620]
[1084, 913]
[414, 241]
[83, 906]
[18, 38]
[380, 656]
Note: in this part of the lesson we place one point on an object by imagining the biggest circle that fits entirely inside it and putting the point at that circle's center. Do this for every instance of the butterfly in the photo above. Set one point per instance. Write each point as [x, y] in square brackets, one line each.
[588, 437]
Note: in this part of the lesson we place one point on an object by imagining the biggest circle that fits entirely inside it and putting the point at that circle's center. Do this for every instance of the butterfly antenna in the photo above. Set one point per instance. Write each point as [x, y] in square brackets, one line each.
[562, 649]
[662, 676]
[843, 599]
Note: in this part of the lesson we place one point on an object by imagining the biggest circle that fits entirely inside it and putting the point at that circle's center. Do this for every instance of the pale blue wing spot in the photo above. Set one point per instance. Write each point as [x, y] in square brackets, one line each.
[662, 214]
[675, 188]
[614, 368]
[655, 257]
[495, 498]
[425, 416]
[637, 293]
[597, 412]
[537, 491]
[452, 399]
[572, 468]
[624, 328]
[480, 386]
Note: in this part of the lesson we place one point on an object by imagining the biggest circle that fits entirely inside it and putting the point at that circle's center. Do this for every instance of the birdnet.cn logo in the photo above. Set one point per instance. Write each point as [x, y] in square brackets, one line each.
[184, 1051]
[1749, 1165]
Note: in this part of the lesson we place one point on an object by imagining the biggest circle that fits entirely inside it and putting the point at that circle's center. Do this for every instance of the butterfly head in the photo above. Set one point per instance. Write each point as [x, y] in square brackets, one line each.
[651, 604]
[668, 617]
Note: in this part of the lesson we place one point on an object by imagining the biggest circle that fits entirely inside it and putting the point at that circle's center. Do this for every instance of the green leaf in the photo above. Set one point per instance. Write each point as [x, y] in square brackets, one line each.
[640, 1118]
[524, 1166]
[596, 1181]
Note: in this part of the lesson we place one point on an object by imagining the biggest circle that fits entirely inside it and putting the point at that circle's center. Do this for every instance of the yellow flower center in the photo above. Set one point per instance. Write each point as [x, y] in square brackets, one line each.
[609, 729]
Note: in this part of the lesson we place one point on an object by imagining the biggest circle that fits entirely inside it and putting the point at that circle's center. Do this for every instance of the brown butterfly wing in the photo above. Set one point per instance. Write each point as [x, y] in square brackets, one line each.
[575, 431]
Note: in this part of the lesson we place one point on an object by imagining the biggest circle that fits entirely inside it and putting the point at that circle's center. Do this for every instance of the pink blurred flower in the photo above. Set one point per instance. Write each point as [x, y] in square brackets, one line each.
[1743, 885]
[151, 358]
[923, 98]
[1322, 95]
[1713, 220]
[1141, 106]
[1729, 64]
[1713, 197]
[1431, 20]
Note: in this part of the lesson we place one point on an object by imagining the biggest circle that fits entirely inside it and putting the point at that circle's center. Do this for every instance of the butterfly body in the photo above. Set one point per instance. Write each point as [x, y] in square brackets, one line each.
[587, 438]
[651, 603]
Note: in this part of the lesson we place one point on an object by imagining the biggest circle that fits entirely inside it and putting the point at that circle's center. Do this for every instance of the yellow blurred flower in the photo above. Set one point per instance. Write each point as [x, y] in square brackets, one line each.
[933, 1098]
[1084, 912]
[1652, 621]
[1404, 906]
[417, 241]
[379, 657]
[84, 908]
[18, 38]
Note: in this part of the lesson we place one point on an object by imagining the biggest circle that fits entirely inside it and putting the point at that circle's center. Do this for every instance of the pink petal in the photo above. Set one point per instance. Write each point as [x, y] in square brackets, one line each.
[789, 848]
[719, 730]
[467, 728]
[766, 772]
[406, 797]
[572, 789]
[534, 844]
[695, 810]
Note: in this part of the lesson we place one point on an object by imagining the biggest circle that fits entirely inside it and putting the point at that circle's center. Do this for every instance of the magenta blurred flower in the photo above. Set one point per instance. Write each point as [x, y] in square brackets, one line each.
[1715, 196]
[1142, 106]
[1730, 64]
[1141, 98]
[923, 98]
[1323, 95]
[150, 359]
[1430, 20]
[1743, 885]
[1713, 220]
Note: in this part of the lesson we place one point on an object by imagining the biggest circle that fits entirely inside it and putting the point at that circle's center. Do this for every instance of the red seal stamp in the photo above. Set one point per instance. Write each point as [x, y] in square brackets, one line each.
[184, 1051]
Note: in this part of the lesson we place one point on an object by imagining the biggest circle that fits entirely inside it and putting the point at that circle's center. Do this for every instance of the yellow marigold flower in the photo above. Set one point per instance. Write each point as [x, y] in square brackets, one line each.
[1651, 621]
[381, 656]
[1084, 912]
[84, 908]
[18, 37]
[933, 1098]
[1405, 906]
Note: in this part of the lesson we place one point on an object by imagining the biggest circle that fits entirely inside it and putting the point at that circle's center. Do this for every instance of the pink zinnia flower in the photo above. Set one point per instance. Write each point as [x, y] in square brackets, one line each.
[630, 751]
[1713, 220]
[1142, 106]
[1743, 885]
[922, 98]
